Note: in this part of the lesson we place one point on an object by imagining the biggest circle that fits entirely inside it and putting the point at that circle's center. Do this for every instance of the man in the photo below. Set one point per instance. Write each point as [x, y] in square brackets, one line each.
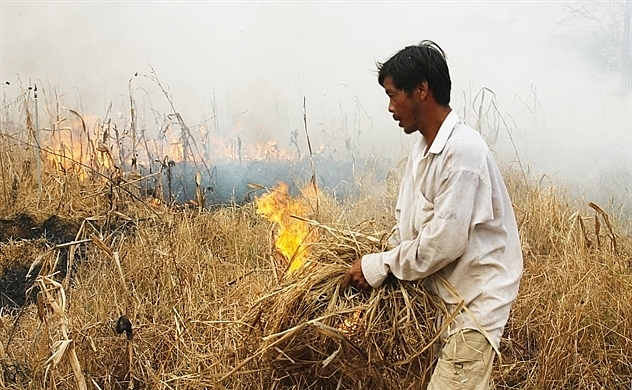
[455, 223]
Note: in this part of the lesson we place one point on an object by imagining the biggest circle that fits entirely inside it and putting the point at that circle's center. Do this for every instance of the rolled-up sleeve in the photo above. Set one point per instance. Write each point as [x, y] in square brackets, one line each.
[462, 201]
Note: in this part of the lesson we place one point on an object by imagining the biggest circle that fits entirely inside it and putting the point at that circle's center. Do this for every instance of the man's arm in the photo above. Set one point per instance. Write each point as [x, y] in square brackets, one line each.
[443, 239]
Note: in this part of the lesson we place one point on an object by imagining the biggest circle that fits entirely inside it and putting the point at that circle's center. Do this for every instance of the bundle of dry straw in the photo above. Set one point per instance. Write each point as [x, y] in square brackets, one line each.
[308, 334]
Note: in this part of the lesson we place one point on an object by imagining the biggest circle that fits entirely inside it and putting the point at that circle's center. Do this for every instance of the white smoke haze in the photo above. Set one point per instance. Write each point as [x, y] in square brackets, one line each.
[566, 108]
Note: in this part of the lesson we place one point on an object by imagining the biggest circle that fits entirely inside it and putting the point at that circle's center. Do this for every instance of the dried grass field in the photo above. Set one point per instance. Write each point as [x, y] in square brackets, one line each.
[105, 285]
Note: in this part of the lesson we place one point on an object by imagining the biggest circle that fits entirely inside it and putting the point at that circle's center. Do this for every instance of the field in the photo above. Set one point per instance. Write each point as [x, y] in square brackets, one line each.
[108, 283]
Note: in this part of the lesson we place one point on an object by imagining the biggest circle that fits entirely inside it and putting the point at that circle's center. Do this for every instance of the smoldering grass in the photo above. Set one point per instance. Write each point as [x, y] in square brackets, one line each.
[195, 282]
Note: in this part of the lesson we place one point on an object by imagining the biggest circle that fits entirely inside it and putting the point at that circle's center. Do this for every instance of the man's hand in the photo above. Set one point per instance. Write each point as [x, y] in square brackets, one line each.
[354, 277]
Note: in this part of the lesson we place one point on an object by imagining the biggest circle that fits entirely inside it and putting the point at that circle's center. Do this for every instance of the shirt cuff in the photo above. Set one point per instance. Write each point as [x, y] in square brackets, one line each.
[374, 271]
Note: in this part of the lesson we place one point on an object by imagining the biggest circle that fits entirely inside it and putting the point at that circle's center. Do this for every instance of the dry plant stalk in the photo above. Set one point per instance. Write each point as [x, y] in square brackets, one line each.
[604, 216]
[570, 328]
[53, 298]
[311, 335]
[3, 360]
[114, 256]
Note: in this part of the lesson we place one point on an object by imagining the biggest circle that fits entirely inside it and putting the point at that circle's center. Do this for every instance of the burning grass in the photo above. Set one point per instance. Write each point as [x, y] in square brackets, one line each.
[211, 305]
[304, 334]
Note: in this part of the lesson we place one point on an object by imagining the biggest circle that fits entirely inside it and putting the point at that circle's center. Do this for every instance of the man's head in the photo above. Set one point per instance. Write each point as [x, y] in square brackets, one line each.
[414, 64]
[417, 82]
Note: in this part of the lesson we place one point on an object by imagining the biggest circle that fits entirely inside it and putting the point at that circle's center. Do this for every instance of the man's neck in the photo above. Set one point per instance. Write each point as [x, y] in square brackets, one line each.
[433, 123]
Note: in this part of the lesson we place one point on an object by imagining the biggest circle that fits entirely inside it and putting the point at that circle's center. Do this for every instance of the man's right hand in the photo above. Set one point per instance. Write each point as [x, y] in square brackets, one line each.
[354, 277]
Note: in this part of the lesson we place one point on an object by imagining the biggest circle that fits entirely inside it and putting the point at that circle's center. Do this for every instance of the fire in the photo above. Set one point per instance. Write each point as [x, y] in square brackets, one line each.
[293, 234]
[85, 146]
[349, 326]
[73, 144]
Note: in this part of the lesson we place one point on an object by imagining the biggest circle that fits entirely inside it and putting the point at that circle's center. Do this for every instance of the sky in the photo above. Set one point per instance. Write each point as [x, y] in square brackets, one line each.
[554, 108]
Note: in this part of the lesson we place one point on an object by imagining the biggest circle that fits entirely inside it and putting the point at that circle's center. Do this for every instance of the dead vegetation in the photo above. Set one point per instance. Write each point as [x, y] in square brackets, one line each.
[306, 334]
[209, 306]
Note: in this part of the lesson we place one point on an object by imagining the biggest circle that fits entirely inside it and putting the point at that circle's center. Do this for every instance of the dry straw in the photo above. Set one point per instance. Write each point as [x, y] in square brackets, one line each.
[208, 310]
[306, 334]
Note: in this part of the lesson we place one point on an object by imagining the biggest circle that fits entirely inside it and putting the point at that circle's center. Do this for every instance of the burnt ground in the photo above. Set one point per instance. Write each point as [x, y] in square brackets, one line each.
[22, 226]
[13, 281]
[22, 239]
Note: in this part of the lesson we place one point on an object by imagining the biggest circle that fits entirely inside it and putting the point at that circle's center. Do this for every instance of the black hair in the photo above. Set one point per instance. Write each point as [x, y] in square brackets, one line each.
[414, 64]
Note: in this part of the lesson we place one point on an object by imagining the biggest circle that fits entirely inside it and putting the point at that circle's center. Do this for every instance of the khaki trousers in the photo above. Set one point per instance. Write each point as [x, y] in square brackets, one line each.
[465, 362]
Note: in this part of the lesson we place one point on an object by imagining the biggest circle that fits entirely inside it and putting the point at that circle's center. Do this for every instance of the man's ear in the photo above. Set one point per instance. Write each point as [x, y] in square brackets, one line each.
[422, 89]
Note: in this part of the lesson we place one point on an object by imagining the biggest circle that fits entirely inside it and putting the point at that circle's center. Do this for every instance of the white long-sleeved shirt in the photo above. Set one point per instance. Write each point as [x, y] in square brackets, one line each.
[455, 219]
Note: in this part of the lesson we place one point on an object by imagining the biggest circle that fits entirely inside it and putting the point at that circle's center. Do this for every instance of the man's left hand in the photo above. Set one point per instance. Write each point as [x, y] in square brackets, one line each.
[354, 277]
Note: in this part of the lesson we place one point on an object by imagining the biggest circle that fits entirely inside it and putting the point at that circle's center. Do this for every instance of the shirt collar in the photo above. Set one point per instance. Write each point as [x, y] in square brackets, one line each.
[444, 133]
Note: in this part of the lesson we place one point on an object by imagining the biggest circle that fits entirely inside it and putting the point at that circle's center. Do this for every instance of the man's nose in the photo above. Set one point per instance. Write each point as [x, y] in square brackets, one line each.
[391, 108]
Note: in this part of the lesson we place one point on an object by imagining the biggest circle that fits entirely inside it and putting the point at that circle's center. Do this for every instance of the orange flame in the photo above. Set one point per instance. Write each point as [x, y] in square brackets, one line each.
[278, 207]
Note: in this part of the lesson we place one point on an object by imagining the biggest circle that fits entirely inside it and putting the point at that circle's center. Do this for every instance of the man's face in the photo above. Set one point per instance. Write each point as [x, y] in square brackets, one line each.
[405, 108]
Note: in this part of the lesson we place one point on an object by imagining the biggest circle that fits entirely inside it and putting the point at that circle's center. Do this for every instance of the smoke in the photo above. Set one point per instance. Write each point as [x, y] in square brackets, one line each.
[557, 86]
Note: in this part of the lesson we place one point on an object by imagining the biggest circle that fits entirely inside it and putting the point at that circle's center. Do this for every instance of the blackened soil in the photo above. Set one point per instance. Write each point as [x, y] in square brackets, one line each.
[58, 229]
[15, 261]
[22, 226]
[20, 244]
[13, 286]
